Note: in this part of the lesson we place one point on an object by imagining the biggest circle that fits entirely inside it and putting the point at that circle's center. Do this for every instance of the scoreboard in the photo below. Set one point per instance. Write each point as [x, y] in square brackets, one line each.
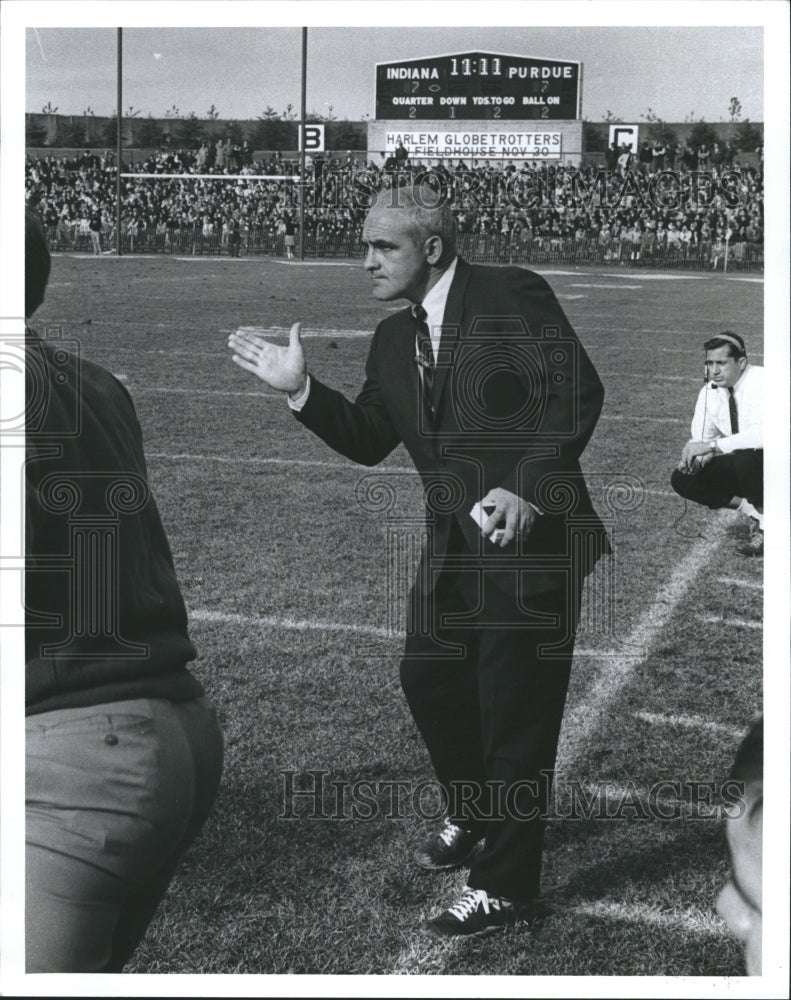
[479, 85]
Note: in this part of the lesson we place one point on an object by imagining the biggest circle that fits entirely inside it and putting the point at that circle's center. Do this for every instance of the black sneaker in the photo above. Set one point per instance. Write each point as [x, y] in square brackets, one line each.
[479, 913]
[449, 848]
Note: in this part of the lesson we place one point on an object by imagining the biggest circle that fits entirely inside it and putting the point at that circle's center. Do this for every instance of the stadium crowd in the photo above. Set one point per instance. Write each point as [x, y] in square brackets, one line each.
[659, 205]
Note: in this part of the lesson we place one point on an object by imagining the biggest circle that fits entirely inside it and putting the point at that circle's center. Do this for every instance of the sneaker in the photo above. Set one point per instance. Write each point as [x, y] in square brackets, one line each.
[449, 848]
[754, 546]
[479, 913]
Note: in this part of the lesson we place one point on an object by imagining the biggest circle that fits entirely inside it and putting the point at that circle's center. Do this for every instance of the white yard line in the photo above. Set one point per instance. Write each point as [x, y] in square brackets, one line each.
[747, 584]
[591, 285]
[339, 466]
[656, 378]
[160, 351]
[220, 260]
[253, 460]
[319, 263]
[139, 389]
[644, 420]
[626, 348]
[292, 624]
[692, 921]
[583, 720]
[729, 622]
[283, 331]
[690, 722]
[656, 277]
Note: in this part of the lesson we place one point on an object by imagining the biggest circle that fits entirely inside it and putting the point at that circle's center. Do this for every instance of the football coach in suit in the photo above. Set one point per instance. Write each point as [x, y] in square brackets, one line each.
[486, 384]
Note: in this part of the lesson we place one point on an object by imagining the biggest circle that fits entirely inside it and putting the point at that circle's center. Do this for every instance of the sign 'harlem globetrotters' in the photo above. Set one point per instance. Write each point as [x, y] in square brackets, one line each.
[479, 85]
[492, 144]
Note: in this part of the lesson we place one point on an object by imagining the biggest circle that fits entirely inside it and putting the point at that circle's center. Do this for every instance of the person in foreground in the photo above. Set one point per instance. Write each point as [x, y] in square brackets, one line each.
[740, 904]
[123, 750]
[722, 465]
[486, 384]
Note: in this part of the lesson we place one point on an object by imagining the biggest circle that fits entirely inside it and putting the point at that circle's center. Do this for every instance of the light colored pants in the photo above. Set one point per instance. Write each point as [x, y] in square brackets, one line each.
[115, 794]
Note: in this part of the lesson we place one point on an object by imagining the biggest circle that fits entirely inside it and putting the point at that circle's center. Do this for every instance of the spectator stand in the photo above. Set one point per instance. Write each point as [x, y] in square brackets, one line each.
[519, 213]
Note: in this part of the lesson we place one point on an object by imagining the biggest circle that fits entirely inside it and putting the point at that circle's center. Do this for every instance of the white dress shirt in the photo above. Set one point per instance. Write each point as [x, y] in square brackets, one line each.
[434, 304]
[712, 419]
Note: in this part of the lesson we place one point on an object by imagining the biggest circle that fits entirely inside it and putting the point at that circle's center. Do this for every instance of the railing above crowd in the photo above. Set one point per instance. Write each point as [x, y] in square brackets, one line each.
[482, 249]
[521, 213]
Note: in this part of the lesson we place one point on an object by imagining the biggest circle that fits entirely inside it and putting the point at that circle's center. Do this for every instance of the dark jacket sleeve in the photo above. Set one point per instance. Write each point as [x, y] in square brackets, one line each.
[361, 431]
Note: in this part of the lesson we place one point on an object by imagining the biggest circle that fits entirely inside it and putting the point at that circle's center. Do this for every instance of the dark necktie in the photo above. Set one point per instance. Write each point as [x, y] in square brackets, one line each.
[425, 356]
[733, 411]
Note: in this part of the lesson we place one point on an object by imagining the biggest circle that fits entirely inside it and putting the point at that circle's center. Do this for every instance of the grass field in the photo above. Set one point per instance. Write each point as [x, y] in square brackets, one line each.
[284, 575]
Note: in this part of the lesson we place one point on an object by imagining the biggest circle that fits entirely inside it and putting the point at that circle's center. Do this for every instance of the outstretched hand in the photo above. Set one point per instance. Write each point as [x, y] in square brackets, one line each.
[282, 368]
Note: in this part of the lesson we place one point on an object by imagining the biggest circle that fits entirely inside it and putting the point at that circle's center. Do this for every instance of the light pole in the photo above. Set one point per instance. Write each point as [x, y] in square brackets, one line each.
[302, 145]
[118, 147]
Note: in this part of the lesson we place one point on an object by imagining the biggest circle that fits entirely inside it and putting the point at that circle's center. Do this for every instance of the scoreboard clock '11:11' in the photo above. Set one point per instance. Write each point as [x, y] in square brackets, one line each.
[479, 85]
[470, 65]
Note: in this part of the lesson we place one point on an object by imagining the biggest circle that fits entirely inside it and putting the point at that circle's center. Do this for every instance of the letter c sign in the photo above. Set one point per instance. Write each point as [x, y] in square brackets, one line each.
[624, 135]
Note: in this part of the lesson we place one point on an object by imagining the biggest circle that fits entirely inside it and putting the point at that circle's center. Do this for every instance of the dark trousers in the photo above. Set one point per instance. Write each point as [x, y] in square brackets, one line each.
[488, 701]
[740, 474]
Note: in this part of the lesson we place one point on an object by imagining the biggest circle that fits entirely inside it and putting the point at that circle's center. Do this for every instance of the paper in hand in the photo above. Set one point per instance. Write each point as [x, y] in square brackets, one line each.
[480, 515]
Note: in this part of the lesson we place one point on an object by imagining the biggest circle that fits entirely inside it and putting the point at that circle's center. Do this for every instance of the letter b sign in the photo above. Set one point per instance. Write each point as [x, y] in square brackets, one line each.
[312, 138]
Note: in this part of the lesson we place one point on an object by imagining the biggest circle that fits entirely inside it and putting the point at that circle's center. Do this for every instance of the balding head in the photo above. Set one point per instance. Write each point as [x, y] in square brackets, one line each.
[410, 241]
[428, 213]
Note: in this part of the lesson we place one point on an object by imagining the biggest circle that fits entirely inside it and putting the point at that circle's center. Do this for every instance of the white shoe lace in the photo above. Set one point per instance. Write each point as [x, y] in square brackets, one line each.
[471, 900]
[449, 832]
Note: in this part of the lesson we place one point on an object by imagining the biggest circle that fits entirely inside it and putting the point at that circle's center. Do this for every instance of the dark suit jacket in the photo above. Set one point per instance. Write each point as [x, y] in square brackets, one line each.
[516, 400]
